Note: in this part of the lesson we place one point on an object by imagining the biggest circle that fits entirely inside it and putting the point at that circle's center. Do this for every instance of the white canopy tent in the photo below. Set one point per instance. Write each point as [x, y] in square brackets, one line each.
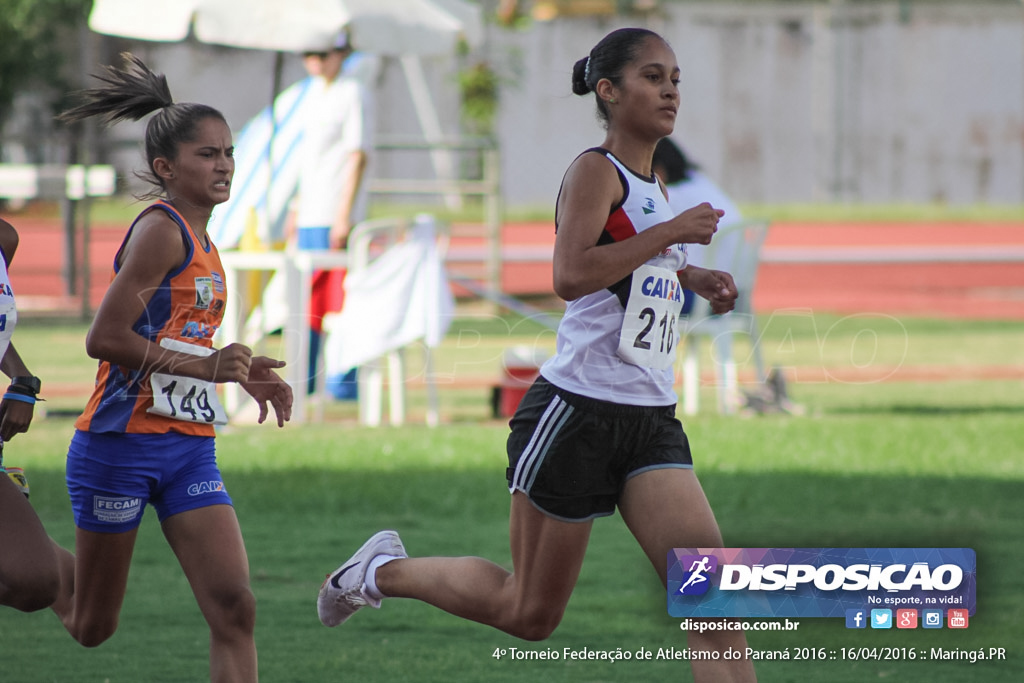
[385, 27]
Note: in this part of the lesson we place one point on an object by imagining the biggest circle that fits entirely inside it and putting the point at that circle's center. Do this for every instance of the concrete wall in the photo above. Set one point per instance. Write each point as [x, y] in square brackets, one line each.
[801, 102]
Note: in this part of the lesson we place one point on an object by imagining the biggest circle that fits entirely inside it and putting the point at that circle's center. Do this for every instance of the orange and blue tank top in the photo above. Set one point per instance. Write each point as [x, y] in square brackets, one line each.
[187, 306]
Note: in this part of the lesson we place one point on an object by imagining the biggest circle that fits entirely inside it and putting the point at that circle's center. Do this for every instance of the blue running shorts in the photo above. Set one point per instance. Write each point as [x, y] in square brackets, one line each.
[111, 477]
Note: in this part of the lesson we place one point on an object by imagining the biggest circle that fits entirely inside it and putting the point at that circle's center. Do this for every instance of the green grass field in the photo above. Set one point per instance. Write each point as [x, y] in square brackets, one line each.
[892, 452]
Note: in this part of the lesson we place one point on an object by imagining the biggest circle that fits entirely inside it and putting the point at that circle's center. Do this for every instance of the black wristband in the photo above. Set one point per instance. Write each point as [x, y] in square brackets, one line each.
[27, 385]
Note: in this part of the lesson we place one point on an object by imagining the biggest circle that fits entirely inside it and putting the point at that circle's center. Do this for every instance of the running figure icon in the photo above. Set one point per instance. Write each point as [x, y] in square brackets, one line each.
[697, 570]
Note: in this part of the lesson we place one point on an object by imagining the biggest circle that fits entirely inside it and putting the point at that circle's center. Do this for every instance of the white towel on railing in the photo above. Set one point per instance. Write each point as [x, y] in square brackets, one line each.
[401, 297]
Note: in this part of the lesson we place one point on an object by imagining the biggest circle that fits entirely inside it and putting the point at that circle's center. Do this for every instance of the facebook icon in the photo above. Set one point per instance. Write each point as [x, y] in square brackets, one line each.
[856, 618]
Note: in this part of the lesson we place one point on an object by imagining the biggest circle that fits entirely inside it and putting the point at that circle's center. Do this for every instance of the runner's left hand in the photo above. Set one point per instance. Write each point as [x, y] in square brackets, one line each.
[265, 385]
[717, 287]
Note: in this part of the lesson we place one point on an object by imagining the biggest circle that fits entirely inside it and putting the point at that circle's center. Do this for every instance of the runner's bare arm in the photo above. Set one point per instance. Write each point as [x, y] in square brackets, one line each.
[154, 249]
[590, 189]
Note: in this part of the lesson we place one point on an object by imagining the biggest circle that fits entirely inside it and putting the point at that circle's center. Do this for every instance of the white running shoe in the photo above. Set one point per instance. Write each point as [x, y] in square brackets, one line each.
[343, 591]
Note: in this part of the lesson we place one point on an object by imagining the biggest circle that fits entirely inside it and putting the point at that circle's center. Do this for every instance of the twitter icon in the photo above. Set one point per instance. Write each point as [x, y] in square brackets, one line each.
[881, 618]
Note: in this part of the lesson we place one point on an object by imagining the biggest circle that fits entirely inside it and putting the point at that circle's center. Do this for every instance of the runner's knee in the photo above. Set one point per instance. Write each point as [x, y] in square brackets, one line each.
[234, 610]
[95, 632]
[535, 622]
[716, 640]
[33, 593]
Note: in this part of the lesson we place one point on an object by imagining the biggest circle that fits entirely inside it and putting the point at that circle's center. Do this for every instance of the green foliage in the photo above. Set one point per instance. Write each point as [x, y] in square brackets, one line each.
[479, 86]
[33, 44]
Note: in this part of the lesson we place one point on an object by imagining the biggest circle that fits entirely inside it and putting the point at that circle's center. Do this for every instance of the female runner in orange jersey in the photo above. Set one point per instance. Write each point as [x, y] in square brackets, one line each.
[147, 434]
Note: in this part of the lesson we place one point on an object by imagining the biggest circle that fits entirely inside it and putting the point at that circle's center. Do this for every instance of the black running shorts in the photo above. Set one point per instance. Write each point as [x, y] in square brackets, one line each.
[572, 455]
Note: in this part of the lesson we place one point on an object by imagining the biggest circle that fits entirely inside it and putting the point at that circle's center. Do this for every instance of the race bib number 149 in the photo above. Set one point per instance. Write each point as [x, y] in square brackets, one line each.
[186, 398]
[650, 327]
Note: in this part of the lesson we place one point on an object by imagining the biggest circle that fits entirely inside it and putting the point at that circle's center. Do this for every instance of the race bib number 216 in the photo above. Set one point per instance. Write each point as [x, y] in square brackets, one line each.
[650, 326]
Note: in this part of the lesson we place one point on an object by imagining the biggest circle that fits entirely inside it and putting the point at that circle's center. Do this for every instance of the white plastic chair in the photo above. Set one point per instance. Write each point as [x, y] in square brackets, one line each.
[368, 240]
[741, 259]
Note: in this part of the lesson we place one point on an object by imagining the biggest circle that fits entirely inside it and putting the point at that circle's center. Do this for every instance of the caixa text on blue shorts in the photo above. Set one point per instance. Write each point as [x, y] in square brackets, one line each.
[817, 582]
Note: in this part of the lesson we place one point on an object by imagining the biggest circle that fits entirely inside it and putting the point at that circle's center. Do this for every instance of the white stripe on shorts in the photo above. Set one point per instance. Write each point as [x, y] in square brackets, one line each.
[554, 417]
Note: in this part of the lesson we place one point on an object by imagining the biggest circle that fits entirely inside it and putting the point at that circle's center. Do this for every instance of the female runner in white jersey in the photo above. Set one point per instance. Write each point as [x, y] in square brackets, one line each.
[29, 576]
[598, 429]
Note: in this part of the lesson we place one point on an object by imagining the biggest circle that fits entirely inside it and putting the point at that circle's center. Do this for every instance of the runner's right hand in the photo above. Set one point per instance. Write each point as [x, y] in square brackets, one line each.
[230, 364]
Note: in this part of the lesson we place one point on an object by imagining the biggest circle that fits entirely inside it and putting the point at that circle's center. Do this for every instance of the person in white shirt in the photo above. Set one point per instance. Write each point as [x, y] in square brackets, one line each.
[337, 138]
[688, 186]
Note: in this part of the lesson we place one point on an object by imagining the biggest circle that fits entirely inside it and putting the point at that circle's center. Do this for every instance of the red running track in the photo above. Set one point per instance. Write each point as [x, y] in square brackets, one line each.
[963, 290]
